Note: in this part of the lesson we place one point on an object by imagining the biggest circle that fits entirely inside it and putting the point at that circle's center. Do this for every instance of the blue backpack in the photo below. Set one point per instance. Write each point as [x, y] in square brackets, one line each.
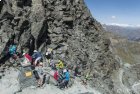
[12, 49]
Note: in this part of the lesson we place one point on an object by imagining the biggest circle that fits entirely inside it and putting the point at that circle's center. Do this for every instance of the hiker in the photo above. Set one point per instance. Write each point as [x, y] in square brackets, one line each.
[12, 53]
[49, 53]
[77, 70]
[12, 50]
[56, 75]
[61, 76]
[27, 60]
[52, 65]
[36, 57]
[49, 56]
[66, 79]
[27, 56]
[39, 74]
[60, 65]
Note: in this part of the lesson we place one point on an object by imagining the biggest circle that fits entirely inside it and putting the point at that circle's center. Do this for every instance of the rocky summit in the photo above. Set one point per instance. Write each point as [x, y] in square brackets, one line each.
[67, 27]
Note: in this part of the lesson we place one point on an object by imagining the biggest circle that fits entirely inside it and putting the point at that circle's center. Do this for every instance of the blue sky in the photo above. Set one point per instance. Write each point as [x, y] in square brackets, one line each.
[115, 11]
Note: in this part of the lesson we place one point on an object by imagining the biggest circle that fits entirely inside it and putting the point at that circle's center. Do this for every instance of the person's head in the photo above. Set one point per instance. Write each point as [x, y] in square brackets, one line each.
[41, 64]
[46, 53]
[60, 61]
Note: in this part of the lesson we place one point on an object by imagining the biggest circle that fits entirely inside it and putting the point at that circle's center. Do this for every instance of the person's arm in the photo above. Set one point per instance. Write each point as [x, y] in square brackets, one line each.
[62, 76]
[41, 55]
[33, 56]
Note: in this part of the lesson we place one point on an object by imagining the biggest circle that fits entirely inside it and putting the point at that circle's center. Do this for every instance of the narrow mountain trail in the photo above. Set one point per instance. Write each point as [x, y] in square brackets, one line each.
[121, 89]
[77, 88]
[9, 85]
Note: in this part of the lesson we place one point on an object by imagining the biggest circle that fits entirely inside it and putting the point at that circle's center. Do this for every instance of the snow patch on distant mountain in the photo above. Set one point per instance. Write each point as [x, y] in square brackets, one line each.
[131, 32]
[124, 25]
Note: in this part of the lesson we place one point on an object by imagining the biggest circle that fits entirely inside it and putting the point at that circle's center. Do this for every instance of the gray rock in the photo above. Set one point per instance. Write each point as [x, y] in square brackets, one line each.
[25, 80]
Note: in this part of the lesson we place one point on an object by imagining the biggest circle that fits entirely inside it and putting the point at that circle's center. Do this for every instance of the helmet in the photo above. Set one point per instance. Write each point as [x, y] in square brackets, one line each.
[59, 61]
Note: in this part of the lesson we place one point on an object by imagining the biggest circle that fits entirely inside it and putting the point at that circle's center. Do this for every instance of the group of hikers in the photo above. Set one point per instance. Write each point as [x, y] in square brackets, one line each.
[59, 72]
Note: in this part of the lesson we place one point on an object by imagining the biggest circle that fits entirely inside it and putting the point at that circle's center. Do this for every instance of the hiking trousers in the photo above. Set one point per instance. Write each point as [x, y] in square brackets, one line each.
[37, 59]
[64, 84]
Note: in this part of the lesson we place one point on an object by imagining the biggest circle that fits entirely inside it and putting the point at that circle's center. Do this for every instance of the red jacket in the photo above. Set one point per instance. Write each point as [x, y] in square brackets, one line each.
[56, 75]
[28, 57]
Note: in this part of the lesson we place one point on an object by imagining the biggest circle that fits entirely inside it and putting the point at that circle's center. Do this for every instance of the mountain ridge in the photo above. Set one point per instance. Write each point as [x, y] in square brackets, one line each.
[131, 33]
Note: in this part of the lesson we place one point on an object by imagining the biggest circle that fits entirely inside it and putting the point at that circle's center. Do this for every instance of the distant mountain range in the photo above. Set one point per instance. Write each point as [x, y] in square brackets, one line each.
[128, 31]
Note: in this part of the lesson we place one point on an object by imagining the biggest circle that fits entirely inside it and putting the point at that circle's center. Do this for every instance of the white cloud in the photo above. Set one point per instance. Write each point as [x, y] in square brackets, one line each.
[113, 17]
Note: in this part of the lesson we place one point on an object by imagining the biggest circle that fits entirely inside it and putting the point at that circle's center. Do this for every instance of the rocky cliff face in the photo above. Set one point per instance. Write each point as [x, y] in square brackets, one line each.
[64, 25]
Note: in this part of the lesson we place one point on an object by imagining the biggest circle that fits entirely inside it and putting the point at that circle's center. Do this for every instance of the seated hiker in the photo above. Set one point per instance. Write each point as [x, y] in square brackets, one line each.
[77, 70]
[52, 65]
[61, 76]
[56, 76]
[27, 56]
[12, 53]
[12, 50]
[27, 59]
[66, 79]
[39, 74]
[36, 57]
[60, 65]
[48, 55]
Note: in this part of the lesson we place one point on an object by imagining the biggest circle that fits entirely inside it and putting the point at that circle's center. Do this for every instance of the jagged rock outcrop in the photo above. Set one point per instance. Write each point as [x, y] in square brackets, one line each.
[64, 25]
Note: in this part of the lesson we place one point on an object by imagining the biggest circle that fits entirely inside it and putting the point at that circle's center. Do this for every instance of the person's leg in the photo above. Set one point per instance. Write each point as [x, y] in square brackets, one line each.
[47, 78]
[35, 62]
[42, 79]
[66, 83]
[40, 82]
[37, 59]
[63, 84]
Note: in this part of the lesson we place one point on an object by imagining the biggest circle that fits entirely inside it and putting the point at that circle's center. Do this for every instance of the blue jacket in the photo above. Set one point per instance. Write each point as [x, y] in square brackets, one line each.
[36, 55]
[67, 76]
[12, 49]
